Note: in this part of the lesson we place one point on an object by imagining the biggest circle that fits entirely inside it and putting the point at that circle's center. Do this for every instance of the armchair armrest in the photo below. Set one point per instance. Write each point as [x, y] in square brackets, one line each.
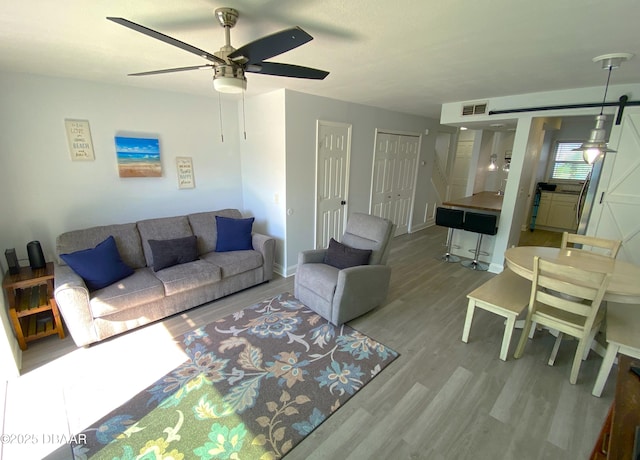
[266, 245]
[359, 290]
[72, 297]
[312, 256]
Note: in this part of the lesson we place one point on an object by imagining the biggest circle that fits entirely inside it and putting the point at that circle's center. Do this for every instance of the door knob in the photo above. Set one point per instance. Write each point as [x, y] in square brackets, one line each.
[343, 202]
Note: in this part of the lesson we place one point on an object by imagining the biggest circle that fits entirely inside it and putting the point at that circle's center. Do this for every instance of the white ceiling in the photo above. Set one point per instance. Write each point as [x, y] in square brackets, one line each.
[406, 55]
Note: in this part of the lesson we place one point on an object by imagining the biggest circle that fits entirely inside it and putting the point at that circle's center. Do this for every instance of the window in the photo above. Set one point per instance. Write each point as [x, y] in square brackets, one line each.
[569, 164]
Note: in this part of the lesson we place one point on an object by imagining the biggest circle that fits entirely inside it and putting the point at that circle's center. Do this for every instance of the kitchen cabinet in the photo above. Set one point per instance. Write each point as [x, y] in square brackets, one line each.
[543, 209]
[557, 210]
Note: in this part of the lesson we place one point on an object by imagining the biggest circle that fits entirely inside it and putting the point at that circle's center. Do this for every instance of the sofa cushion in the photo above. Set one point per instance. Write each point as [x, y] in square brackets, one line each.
[233, 234]
[203, 225]
[99, 266]
[164, 228]
[187, 276]
[234, 262]
[140, 288]
[167, 253]
[342, 256]
[126, 236]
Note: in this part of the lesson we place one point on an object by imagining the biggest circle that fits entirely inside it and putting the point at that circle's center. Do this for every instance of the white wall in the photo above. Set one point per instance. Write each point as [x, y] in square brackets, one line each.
[10, 353]
[50, 194]
[302, 112]
[263, 168]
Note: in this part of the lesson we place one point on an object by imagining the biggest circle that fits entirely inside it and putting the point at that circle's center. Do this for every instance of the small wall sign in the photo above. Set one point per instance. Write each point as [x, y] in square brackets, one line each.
[185, 172]
[79, 138]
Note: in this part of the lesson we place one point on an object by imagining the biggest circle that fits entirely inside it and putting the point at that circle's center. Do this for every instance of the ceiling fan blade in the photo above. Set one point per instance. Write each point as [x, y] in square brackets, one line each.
[165, 38]
[287, 70]
[271, 45]
[177, 69]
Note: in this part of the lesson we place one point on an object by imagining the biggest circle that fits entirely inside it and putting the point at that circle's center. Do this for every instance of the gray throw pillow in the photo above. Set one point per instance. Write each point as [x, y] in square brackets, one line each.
[167, 253]
[342, 256]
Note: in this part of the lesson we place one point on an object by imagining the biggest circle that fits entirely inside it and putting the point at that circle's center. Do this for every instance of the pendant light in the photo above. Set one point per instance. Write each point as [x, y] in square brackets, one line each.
[493, 165]
[596, 146]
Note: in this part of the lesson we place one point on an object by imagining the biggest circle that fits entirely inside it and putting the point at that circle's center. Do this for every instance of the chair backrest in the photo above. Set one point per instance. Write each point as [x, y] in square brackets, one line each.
[452, 218]
[480, 223]
[604, 246]
[568, 290]
[365, 231]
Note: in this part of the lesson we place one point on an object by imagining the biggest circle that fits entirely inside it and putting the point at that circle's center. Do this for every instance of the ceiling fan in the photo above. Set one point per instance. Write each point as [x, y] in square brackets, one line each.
[230, 64]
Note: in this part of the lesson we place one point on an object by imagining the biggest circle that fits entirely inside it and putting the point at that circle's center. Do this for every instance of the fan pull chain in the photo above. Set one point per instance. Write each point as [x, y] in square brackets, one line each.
[244, 120]
[220, 110]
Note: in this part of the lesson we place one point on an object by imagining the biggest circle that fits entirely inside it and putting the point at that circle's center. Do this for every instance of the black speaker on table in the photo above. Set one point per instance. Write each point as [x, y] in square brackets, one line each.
[12, 261]
[36, 257]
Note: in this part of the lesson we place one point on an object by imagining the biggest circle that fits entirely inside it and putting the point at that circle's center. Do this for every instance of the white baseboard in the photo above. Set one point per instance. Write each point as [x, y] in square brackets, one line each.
[422, 226]
[496, 268]
[278, 269]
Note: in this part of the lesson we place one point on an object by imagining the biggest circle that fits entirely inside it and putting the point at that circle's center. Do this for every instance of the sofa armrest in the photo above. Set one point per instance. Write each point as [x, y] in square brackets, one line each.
[266, 245]
[312, 256]
[359, 289]
[72, 297]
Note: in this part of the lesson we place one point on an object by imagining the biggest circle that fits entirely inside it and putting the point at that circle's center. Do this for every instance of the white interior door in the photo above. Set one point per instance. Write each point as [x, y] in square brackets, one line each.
[394, 175]
[332, 180]
[386, 150]
[404, 181]
[617, 204]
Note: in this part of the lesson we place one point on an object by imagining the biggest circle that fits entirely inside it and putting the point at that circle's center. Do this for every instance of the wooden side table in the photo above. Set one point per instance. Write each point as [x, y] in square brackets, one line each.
[32, 308]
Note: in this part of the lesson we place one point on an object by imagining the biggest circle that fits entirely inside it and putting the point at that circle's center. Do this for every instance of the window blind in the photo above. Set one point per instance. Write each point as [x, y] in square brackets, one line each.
[569, 164]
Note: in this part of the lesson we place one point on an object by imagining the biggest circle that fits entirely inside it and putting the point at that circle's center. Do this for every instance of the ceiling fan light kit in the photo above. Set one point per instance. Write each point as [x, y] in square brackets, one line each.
[230, 64]
[229, 79]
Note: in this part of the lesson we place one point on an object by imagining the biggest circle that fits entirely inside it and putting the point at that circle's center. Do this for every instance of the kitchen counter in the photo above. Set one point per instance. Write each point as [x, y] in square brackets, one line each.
[465, 241]
[483, 201]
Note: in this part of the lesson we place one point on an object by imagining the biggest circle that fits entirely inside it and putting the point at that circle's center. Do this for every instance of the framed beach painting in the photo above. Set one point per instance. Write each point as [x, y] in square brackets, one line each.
[138, 157]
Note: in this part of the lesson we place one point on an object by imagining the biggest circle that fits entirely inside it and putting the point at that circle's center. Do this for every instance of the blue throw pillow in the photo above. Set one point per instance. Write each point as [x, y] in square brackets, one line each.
[99, 267]
[233, 234]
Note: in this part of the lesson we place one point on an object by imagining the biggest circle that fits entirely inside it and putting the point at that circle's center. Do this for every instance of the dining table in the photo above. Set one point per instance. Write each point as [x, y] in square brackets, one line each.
[624, 285]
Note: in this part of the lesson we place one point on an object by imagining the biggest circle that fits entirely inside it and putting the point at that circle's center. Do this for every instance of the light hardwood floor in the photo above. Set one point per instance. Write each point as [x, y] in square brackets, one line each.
[441, 399]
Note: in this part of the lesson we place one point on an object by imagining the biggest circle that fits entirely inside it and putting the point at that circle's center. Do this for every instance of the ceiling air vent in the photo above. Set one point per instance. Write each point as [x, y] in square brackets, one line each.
[479, 108]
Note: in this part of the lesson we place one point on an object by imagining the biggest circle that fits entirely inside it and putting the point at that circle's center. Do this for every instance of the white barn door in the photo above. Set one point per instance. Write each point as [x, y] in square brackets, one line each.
[332, 180]
[616, 210]
[394, 176]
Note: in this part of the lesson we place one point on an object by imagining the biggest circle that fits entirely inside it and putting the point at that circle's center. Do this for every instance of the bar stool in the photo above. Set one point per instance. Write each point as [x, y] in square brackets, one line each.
[452, 218]
[482, 224]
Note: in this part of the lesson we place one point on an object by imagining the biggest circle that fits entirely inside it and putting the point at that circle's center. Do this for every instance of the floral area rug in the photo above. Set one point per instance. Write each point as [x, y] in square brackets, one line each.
[257, 382]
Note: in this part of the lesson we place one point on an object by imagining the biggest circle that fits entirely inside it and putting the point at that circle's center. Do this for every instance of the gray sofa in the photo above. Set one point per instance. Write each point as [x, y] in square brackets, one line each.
[146, 295]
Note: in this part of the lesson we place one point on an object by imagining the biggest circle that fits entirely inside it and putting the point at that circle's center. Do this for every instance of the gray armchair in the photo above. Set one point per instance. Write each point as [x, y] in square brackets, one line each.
[339, 295]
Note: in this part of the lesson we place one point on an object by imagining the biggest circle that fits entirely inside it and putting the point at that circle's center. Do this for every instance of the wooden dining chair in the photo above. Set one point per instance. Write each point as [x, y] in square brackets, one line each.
[603, 246]
[566, 299]
[623, 336]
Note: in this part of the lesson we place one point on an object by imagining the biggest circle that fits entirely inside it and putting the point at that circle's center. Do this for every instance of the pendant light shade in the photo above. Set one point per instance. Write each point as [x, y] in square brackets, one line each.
[596, 146]
[593, 148]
